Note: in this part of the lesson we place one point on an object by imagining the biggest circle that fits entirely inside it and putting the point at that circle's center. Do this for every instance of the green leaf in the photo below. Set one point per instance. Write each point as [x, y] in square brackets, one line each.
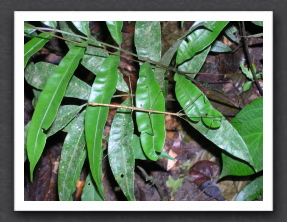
[48, 104]
[64, 116]
[249, 124]
[36, 97]
[225, 137]
[52, 24]
[191, 99]
[34, 45]
[229, 32]
[148, 39]
[252, 191]
[232, 166]
[174, 184]
[199, 40]
[73, 156]
[165, 60]
[121, 84]
[93, 58]
[259, 23]
[247, 86]
[212, 119]
[218, 46]
[150, 125]
[102, 91]
[115, 28]
[76, 87]
[120, 151]
[195, 63]
[82, 26]
[90, 191]
[29, 32]
[25, 140]
[246, 71]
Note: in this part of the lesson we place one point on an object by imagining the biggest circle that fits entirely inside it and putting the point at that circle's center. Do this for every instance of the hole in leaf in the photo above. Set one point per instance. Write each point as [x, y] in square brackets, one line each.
[122, 175]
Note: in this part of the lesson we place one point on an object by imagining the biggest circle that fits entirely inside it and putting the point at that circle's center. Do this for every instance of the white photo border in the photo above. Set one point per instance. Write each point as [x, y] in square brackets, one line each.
[265, 16]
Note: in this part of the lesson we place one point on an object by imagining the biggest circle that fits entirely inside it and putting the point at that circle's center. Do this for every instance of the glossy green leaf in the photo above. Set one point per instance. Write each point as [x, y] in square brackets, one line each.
[212, 119]
[229, 32]
[150, 125]
[234, 167]
[225, 137]
[102, 91]
[64, 116]
[76, 87]
[34, 45]
[246, 86]
[115, 28]
[25, 140]
[29, 32]
[48, 104]
[219, 47]
[252, 191]
[259, 23]
[199, 40]
[148, 39]
[195, 63]
[82, 26]
[52, 24]
[191, 99]
[121, 84]
[73, 156]
[249, 124]
[120, 151]
[90, 191]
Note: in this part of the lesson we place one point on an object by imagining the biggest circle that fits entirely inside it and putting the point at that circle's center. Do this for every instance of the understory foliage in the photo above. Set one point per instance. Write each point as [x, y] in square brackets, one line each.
[138, 127]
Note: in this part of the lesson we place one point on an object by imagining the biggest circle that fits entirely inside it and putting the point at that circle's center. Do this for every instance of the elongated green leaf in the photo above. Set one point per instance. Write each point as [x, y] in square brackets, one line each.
[198, 40]
[34, 45]
[148, 39]
[195, 63]
[120, 151]
[64, 116]
[191, 99]
[150, 125]
[50, 23]
[252, 191]
[72, 159]
[90, 191]
[82, 26]
[102, 91]
[249, 124]
[115, 28]
[218, 46]
[225, 137]
[48, 104]
[25, 140]
[76, 87]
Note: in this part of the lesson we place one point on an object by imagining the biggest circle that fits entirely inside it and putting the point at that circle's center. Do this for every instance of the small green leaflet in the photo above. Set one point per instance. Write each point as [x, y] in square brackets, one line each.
[115, 28]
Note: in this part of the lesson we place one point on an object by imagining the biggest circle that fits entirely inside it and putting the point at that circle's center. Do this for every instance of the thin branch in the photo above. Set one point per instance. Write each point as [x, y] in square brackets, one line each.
[249, 60]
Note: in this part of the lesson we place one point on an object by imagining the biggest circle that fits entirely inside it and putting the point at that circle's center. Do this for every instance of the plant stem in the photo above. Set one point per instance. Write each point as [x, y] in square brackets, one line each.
[249, 60]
